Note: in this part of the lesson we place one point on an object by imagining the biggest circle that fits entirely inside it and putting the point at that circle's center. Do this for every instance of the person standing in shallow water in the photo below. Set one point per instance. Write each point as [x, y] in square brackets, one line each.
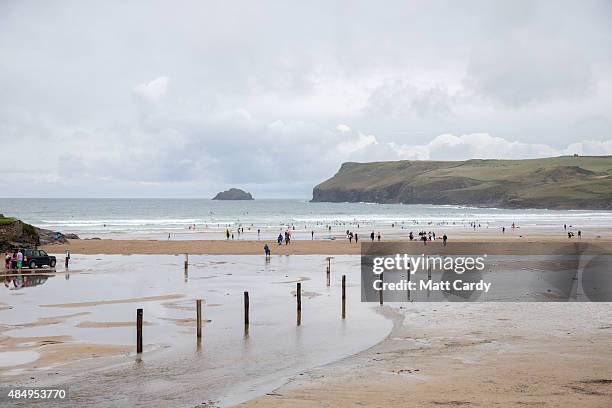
[357, 237]
[378, 236]
[444, 239]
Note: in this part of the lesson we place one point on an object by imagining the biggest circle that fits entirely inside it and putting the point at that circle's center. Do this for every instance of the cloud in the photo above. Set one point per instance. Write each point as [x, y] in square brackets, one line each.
[343, 128]
[485, 146]
[186, 104]
[361, 142]
[400, 100]
[153, 91]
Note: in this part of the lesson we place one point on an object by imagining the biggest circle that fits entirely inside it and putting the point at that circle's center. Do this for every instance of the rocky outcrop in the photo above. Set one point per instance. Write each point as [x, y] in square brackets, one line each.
[233, 194]
[54, 237]
[15, 233]
[567, 182]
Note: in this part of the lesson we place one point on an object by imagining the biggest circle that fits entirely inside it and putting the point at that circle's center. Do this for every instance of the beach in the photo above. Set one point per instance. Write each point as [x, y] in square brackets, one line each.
[513, 347]
[420, 354]
[501, 243]
[471, 355]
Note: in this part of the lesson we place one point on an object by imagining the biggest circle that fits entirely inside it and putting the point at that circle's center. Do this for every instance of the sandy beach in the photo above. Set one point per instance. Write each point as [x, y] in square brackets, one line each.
[471, 355]
[497, 243]
[436, 354]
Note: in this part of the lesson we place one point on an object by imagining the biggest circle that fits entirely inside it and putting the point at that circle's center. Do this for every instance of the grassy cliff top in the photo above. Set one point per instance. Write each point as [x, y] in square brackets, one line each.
[555, 182]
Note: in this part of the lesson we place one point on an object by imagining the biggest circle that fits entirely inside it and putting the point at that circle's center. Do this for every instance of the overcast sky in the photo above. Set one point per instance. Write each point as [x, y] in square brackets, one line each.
[183, 99]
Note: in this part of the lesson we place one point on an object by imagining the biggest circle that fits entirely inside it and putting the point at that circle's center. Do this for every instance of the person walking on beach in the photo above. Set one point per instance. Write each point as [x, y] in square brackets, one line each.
[168, 236]
[579, 234]
[356, 238]
[267, 250]
[350, 237]
[444, 239]
[312, 235]
[227, 233]
[424, 239]
[503, 230]
[372, 236]
[279, 239]
[378, 236]
[411, 236]
[258, 232]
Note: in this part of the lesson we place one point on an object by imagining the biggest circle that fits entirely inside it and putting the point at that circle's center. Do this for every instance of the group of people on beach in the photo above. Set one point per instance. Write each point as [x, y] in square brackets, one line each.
[570, 234]
[14, 260]
[240, 230]
[428, 236]
[287, 238]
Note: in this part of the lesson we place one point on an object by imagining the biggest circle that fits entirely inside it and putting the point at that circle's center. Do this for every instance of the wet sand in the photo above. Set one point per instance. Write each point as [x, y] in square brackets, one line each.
[450, 355]
[437, 355]
[90, 345]
[523, 244]
[117, 301]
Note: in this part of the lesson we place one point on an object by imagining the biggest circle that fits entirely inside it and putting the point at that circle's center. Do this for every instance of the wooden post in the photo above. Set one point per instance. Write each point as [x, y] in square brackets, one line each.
[344, 296]
[299, 303]
[246, 309]
[328, 277]
[199, 318]
[380, 292]
[138, 331]
[409, 277]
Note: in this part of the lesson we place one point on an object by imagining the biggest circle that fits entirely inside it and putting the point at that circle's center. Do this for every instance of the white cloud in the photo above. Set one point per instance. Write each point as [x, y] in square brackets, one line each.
[590, 147]
[485, 146]
[343, 128]
[193, 106]
[361, 142]
[153, 91]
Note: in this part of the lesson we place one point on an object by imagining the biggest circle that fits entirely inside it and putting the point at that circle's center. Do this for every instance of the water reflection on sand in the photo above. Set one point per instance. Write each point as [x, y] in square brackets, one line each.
[92, 314]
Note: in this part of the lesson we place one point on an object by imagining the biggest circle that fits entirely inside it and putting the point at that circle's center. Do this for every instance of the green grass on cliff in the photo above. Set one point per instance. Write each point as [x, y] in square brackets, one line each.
[7, 220]
[556, 182]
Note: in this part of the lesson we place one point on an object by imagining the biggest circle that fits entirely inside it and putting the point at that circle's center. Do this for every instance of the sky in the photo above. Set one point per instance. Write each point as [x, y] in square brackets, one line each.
[185, 99]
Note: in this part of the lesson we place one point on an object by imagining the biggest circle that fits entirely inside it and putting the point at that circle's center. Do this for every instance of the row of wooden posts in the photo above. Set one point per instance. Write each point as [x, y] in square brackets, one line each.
[139, 312]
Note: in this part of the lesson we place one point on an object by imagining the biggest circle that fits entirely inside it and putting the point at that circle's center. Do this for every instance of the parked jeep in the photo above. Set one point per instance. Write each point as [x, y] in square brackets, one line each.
[34, 258]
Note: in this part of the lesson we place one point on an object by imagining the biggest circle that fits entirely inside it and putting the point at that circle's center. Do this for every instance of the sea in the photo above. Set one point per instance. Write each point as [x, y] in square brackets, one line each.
[152, 218]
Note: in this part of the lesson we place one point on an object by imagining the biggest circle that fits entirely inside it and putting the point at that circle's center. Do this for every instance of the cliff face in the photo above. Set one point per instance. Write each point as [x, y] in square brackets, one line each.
[233, 194]
[557, 182]
[17, 234]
